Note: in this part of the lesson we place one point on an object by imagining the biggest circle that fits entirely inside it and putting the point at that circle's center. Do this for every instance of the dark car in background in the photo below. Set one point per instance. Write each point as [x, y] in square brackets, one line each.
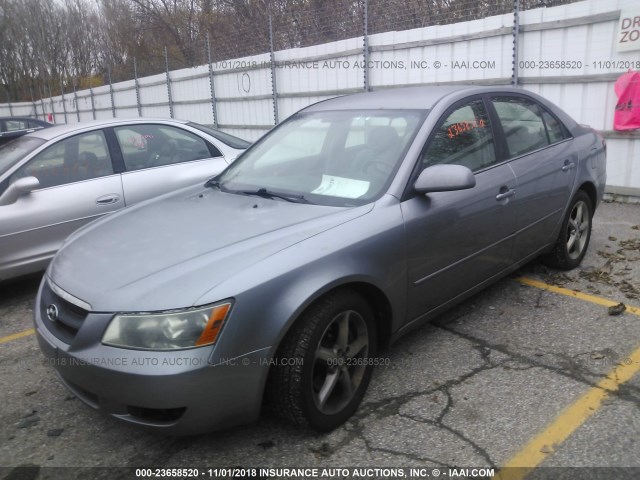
[14, 127]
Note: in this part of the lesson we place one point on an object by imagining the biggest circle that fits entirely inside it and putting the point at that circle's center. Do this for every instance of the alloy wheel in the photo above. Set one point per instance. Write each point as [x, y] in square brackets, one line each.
[577, 229]
[340, 362]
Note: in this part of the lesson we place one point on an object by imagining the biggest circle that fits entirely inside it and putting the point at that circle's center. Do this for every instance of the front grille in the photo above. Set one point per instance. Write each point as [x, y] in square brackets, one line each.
[69, 317]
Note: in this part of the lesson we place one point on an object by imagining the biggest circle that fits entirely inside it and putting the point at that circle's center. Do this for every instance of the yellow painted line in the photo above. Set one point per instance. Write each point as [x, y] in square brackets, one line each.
[568, 421]
[16, 336]
[572, 293]
[572, 417]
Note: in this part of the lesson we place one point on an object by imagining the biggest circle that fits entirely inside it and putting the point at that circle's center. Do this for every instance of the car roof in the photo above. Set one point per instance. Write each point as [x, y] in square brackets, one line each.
[425, 97]
[402, 98]
[57, 130]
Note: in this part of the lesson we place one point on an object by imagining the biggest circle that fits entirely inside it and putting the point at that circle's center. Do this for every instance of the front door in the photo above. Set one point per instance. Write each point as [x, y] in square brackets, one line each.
[456, 240]
[77, 185]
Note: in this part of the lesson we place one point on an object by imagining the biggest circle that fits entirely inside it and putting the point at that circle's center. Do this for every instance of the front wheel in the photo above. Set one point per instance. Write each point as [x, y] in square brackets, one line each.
[575, 233]
[324, 365]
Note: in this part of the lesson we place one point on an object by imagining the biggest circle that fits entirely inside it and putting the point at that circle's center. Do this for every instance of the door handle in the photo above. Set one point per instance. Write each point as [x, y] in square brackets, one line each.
[568, 166]
[506, 194]
[109, 199]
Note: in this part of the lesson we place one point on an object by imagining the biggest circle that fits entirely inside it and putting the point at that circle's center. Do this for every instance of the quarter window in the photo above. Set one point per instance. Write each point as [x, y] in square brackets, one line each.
[464, 138]
[74, 159]
[146, 146]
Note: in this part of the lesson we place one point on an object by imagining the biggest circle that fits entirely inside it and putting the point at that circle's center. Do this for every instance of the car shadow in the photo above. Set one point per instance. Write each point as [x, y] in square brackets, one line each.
[21, 288]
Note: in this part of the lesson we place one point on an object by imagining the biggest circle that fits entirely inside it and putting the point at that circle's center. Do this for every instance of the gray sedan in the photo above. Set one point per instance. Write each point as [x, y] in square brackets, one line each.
[279, 281]
[57, 179]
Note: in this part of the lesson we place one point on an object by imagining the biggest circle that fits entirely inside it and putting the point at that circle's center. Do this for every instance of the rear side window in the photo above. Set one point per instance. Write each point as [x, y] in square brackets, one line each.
[14, 125]
[526, 125]
[522, 124]
[147, 145]
[463, 138]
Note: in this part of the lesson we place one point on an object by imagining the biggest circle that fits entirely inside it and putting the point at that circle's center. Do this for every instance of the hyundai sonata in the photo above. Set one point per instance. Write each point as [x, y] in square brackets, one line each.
[352, 222]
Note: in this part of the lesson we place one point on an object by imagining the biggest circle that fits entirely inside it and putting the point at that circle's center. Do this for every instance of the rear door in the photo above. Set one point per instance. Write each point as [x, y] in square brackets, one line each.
[161, 158]
[543, 158]
[77, 185]
[457, 240]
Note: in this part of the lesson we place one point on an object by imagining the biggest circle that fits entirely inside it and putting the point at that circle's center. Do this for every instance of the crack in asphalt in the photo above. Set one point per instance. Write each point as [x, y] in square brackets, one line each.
[539, 299]
[477, 448]
[390, 407]
[573, 370]
[410, 456]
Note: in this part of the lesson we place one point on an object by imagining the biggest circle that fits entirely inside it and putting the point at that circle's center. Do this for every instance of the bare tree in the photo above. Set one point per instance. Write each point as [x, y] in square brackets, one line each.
[82, 39]
[44, 41]
[175, 19]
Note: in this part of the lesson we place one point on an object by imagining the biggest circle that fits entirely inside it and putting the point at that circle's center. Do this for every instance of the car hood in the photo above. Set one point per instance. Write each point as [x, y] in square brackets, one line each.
[167, 253]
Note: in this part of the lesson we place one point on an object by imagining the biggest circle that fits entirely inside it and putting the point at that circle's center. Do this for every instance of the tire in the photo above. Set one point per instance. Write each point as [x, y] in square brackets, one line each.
[322, 370]
[574, 236]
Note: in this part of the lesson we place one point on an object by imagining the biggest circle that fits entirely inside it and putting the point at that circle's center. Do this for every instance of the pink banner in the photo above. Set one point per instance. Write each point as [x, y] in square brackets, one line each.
[627, 114]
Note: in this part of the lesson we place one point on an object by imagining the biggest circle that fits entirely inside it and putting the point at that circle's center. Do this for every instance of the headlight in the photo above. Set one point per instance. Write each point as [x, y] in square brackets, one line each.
[181, 329]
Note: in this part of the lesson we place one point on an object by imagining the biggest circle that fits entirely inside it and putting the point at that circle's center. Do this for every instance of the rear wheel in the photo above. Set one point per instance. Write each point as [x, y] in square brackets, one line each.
[575, 234]
[324, 366]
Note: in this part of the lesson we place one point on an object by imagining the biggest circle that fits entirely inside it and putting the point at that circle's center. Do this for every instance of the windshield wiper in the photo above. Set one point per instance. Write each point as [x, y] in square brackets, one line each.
[264, 193]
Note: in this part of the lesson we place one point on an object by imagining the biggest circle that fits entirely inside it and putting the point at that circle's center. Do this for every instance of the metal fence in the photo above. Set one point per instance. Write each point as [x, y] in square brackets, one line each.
[269, 29]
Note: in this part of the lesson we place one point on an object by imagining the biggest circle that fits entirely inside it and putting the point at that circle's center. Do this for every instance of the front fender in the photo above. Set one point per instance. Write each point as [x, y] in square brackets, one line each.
[271, 296]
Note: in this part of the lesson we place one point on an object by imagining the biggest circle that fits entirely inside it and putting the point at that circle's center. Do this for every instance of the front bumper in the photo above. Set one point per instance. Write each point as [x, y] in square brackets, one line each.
[174, 393]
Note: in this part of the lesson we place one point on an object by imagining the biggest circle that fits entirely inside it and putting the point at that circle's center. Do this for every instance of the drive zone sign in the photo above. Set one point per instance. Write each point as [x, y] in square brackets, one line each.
[628, 34]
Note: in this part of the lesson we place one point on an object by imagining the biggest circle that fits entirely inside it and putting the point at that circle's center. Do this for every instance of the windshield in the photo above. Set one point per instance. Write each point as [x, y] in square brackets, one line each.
[341, 158]
[233, 142]
[16, 149]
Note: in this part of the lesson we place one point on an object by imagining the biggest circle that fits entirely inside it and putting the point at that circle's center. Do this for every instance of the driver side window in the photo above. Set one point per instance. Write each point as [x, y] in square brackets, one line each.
[463, 138]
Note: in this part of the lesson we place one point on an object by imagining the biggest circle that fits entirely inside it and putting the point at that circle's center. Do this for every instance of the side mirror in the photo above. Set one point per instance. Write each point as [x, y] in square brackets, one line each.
[444, 178]
[20, 187]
